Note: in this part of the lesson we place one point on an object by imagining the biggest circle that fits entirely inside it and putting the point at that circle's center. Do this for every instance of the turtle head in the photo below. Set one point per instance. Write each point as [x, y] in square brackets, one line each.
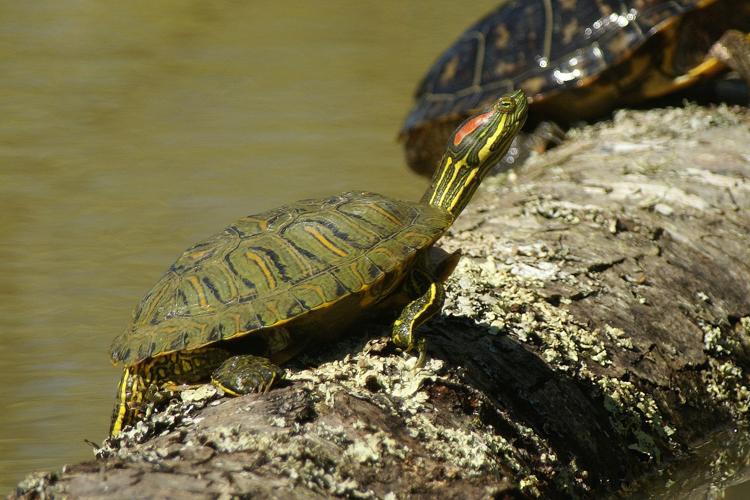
[475, 147]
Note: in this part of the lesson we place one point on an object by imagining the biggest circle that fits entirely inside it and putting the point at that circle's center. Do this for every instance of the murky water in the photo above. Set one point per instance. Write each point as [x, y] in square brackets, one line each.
[129, 130]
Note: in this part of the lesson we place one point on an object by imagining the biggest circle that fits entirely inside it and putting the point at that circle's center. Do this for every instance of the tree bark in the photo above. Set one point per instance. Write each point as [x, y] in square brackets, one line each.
[597, 329]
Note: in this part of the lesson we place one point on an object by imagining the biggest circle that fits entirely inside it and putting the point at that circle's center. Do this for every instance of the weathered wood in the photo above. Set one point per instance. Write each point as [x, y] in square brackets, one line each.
[597, 328]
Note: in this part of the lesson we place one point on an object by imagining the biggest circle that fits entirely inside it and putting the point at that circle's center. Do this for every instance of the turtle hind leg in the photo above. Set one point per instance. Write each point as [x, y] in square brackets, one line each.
[546, 135]
[141, 383]
[245, 374]
[128, 400]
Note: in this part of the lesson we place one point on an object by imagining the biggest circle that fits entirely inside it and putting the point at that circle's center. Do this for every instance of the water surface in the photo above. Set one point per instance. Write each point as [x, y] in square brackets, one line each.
[132, 129]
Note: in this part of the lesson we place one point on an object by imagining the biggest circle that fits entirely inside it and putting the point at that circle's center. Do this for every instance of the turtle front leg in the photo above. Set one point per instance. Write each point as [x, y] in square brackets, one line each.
[416, 313]
[245, 374]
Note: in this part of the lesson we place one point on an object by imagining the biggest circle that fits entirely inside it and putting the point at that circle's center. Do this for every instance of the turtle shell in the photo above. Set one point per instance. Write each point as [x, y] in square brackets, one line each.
[540, 46]
[278, 267]
[547, 47]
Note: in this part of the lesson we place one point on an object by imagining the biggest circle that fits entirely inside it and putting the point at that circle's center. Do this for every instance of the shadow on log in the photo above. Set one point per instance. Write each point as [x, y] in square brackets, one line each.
[596, 330]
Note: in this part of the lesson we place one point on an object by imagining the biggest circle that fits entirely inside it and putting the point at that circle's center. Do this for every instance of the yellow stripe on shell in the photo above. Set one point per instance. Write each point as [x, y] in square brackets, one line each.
[299, 261]
[385, 213]
[155, 299]
[353, 270]
[262, 223]
[273, 308]
[229, 280]
[196, 284]
[316, 289]
[325, 242]
[263, 268]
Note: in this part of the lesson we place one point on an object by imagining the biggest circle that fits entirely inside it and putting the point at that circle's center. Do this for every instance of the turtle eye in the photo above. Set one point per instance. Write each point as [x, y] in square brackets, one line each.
[506, 104]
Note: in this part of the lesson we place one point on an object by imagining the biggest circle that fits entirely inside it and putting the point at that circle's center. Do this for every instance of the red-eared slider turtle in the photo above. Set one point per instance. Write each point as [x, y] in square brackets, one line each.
[575, 59]
[235, 305]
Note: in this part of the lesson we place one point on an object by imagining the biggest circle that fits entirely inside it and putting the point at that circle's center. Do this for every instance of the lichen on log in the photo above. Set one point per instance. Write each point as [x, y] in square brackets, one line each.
[596, 330]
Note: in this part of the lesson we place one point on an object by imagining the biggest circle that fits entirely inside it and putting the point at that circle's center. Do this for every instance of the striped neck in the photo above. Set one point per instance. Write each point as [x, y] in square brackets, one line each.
[453, 185]
[473, 149]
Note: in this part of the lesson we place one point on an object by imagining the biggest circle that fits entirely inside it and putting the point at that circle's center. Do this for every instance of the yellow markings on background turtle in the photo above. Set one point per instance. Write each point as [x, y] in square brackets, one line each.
[325, 241]
[708, 67]
[263, 268]
[196, 284]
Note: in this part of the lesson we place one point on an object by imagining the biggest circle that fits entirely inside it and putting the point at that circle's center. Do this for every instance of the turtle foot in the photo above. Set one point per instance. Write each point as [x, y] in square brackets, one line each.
[734, 50]
[546, 135]
[246, 374]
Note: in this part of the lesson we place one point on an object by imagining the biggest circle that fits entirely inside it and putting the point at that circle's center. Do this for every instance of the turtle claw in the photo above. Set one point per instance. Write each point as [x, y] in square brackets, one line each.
[246, 374]
[269, 384]
[422, 350]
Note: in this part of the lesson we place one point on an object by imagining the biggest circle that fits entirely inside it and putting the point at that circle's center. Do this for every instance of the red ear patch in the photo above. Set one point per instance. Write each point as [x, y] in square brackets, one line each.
[471, 126]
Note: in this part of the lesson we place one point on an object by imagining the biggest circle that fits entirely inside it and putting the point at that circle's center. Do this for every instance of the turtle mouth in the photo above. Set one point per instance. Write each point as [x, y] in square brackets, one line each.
[522, 104]
[519, 97]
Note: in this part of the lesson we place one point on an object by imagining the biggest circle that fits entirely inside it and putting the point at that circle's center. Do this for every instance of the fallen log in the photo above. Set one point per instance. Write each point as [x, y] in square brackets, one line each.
[596, 330]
